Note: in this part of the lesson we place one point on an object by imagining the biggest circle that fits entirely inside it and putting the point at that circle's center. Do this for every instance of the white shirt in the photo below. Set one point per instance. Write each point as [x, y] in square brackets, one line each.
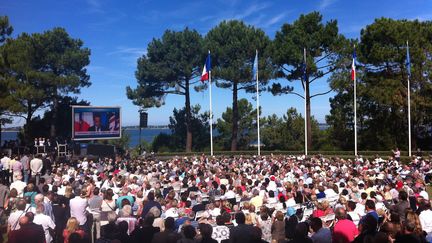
[426, 220]
[78, 208]
[13, 219]
[19, 186]
[36, 166]
[5, 162]
[355, 217]
[46, 222]
[220, 233]
[291, 202]
[360, 209]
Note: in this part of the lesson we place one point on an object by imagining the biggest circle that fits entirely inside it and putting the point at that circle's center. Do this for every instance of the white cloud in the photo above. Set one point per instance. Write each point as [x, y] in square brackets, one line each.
[128, 54]
[252, 9]
[274, 20]
[326, 3]
[95, 6]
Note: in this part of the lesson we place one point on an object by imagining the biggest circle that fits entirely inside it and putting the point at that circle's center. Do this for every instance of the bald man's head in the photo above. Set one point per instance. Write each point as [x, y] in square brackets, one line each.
[23, 220]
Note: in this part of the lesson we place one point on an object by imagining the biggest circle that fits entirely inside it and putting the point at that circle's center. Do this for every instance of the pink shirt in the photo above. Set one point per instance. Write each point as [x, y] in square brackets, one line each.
[344, 231]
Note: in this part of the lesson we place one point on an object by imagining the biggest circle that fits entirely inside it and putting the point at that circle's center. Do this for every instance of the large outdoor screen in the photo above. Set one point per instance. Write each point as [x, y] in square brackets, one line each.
[91, 123]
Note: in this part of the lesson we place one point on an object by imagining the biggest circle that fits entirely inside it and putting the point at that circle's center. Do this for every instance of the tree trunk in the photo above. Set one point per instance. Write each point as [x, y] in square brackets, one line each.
[188, 119]
[54, 118]
[234, 119]
[27, 126]
[308, 115]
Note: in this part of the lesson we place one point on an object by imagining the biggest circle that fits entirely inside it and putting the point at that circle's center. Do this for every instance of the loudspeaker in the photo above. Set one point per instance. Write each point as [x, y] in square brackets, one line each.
[143, 119]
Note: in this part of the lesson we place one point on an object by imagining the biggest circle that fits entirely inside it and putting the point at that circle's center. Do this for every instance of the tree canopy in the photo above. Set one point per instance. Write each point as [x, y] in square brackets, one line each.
[233, 44]
[170, 66]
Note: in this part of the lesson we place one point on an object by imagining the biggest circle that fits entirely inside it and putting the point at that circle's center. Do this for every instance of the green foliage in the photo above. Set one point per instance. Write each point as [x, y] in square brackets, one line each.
[247, 126]
[382, 88]
[322, 43]
[177, 139]
[40, 126]
[169, 67]
[233, 45]
[41, 68]
[5, 28]
[7, 103]
[122, 143]
[287, 132]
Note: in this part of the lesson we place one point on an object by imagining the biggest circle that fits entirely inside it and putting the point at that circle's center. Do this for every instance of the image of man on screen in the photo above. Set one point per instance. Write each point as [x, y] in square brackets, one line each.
[97, 124]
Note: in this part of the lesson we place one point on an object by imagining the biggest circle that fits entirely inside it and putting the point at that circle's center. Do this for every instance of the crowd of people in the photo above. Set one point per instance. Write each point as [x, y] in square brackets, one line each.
[215, 199]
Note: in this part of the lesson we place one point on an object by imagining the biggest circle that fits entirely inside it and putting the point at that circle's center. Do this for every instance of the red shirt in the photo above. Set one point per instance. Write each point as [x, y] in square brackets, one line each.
[344, 231]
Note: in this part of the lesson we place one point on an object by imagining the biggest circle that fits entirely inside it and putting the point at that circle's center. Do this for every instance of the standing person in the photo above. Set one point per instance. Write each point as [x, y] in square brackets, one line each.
[189, 234]
[5, 162]
[320, 234]
[169, 235]
[28, 232]
[369, 227]
[344, 230]
[301, 234]
[242, 232]
[16, 168]
[61, 215]
[206, 234]
[145, 232]
[396, 154]
[13, 220]
[149, 204]
[278, 227]
[25, 161]
[36, 165]
[72, 226]
[45, 221]
[78, 209]
[108, 205]
[401, 206]
[19, 185]
[4, 193]
[220, 231]
[426, 220]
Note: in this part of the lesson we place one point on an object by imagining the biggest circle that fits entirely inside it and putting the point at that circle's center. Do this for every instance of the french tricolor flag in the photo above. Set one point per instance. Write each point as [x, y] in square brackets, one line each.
[206, 69]
[353, 67]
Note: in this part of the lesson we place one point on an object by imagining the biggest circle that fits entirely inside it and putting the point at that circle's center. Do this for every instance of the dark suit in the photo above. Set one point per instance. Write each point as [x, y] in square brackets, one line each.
[399, 208]
[144, 234]
[242, 233]
[28, 233]
[166, 236]
[101, 128]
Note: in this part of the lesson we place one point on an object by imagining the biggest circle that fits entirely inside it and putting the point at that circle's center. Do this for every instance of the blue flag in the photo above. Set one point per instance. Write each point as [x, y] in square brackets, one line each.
[255, 67]
[408, 63]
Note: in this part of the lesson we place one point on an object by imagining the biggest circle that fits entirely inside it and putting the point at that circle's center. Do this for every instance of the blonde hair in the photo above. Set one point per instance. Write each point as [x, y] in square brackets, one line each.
[68, 191]
[248, 219]
[414, 218]
[72, 225]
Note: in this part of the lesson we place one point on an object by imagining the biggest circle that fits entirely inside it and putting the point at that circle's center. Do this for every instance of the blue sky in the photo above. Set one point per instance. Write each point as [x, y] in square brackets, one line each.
[117, 32]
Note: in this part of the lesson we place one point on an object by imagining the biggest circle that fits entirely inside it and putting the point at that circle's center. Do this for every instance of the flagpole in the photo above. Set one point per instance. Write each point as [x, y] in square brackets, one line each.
[211, 113]
[409, 107]
[355, 107]
[258, 110]
[305, 109]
